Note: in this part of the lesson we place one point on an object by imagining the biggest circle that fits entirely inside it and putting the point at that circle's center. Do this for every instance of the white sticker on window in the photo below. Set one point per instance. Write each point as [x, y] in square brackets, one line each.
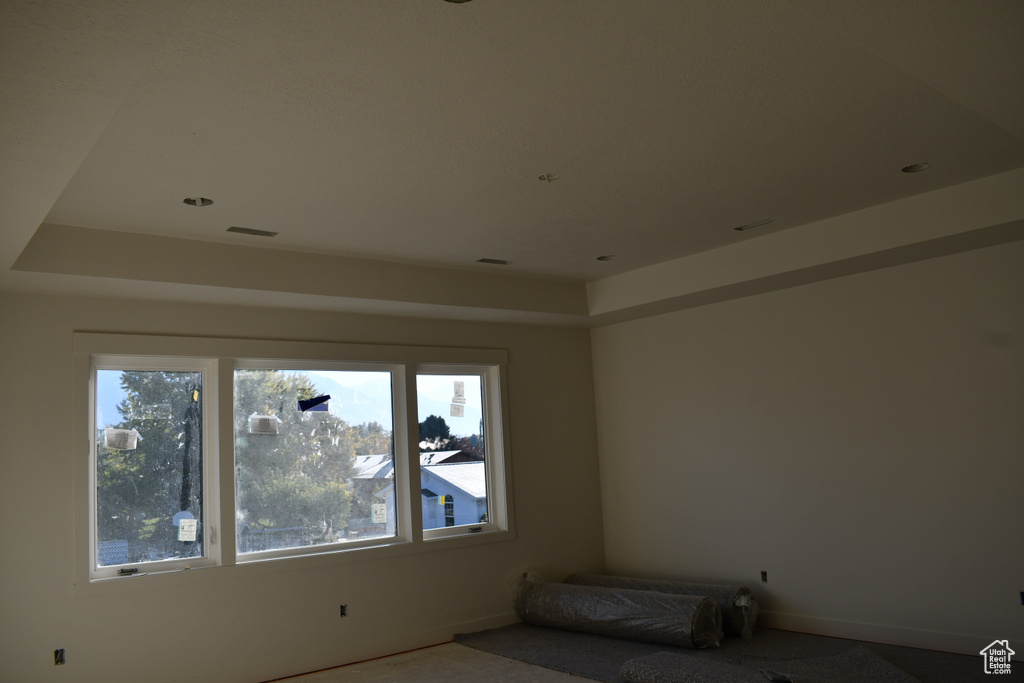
[458, 410]
[121, 439]
[264, 424]
[460, 388]
[379, 513]
[187, 529]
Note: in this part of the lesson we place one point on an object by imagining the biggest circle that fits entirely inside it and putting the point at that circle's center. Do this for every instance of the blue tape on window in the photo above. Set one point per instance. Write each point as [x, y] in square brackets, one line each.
[317, 404]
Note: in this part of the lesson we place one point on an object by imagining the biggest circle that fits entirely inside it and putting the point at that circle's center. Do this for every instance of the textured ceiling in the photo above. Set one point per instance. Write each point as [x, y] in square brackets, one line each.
[415, 131]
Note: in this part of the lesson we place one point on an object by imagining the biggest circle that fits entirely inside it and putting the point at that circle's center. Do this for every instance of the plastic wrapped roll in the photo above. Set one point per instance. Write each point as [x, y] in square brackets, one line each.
[739, 609]
[648, 616]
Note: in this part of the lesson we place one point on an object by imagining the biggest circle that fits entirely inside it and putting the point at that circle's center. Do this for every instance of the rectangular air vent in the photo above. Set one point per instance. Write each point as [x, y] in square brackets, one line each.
[252, 231]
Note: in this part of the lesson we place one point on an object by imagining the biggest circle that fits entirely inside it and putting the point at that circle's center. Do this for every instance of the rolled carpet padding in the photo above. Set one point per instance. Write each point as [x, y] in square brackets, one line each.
[648, 616]
[739, 609]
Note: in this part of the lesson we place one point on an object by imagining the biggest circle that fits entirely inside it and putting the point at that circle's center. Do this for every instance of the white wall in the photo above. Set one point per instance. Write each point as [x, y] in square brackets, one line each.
[860, 439]
[256, 623]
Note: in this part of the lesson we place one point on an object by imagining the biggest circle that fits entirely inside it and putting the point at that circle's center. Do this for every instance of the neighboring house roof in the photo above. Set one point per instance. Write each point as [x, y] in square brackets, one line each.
[383, 467]
[439, 457]
[467, 476]
[373, 467]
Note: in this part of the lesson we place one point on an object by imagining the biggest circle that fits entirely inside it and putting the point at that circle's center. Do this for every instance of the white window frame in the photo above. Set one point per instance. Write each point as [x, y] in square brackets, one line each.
[403, 534]
[220, 357]
[211, 550]
[491, 386]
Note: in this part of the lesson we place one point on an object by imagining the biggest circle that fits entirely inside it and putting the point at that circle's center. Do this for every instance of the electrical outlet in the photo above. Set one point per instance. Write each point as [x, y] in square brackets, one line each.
[58, 657]
[764, 577]
[344, 610]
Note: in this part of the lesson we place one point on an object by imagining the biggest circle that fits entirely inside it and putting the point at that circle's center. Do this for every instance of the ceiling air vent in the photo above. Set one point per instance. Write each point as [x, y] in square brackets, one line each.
[494, 261]
[916, 168]
[758, 224]
[252, 231]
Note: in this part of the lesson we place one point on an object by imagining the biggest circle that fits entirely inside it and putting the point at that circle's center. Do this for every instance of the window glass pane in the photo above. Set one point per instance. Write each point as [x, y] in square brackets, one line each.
[309, 470]
[453, 476]
[149, 466]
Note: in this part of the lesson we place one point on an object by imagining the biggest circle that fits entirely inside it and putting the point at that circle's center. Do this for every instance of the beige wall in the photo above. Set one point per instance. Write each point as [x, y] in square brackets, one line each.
[245, 623]
[860, 439]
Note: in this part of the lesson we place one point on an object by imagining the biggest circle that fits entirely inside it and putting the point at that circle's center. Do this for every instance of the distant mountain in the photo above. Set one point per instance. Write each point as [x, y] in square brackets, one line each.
[357, 404]
[367, 402]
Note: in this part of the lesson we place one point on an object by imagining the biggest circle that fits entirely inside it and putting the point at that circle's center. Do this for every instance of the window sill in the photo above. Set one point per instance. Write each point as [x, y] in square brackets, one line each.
[256, 567]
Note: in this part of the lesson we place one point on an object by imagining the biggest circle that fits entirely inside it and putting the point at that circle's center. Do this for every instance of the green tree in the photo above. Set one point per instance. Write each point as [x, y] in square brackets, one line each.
[471, 444]
[437, 435]
[371, 439]
[435, 431]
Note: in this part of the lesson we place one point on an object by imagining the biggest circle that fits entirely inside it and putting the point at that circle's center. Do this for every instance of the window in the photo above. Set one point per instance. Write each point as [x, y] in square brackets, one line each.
[455, 437]
[149, 437]
[309, 456]
[313, 451]
[449, 510]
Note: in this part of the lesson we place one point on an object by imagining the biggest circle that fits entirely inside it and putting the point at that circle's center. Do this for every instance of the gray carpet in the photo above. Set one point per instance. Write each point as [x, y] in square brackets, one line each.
[669, 667]
[857, 665]
[601, 658]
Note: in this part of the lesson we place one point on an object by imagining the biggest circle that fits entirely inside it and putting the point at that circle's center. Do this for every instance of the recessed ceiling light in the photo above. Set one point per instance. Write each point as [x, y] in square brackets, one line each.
[606, 257]
[252, 231]
[757, 224]
[494, 261]
[916, 168]
[198, 201]
[549, 177]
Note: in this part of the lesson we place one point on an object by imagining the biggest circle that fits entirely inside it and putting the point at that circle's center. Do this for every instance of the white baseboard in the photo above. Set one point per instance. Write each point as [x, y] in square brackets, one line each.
[959, 643]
